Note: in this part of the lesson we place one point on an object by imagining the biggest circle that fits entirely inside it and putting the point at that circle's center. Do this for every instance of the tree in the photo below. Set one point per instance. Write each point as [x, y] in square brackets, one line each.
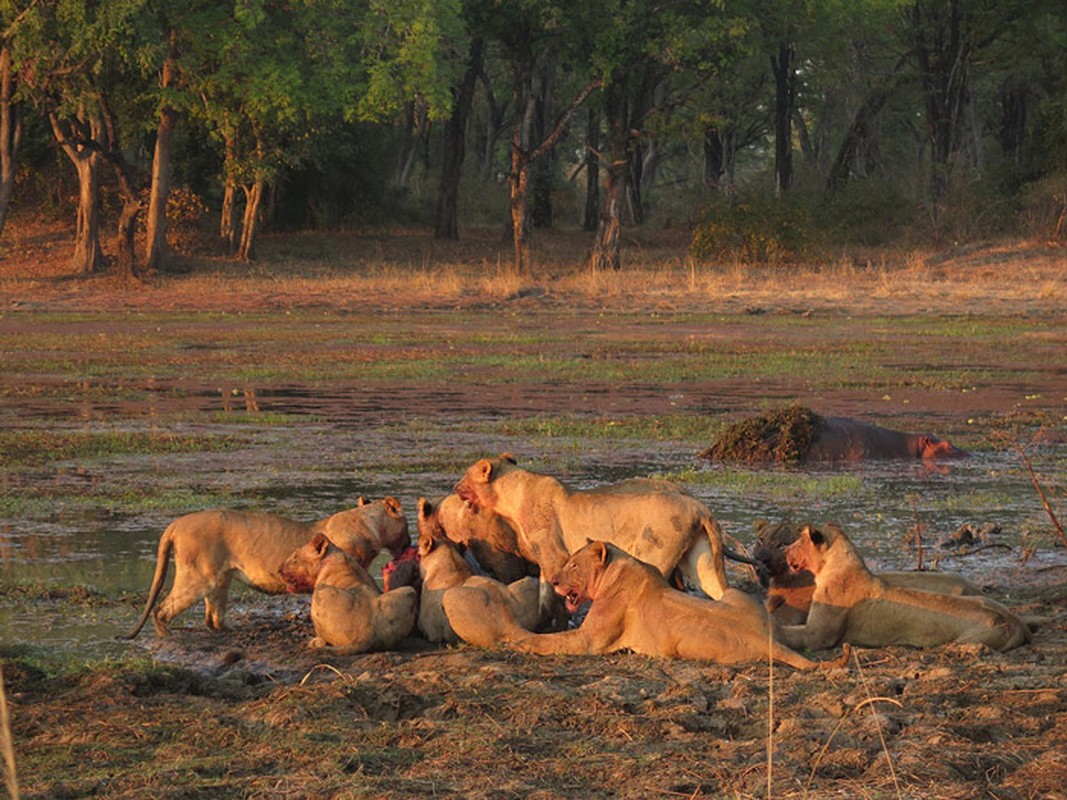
[10, 129]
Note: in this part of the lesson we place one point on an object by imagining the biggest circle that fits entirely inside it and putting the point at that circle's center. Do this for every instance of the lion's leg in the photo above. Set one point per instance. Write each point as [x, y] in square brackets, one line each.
[215, 602]
[572, 642]
[183, 594]
[703, 566]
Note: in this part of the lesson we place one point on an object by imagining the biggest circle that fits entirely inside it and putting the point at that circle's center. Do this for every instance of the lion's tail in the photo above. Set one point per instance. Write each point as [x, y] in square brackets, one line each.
[166, 545]
[757, 566]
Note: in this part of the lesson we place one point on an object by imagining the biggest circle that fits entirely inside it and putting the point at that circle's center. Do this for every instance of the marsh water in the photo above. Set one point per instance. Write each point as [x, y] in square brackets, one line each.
[81, 552]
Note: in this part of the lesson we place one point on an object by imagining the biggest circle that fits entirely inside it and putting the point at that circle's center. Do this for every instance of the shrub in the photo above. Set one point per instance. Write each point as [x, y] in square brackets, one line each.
[754, 229]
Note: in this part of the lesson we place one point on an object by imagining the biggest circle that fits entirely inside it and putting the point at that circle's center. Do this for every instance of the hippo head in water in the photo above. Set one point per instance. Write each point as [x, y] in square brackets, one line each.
[929, 446]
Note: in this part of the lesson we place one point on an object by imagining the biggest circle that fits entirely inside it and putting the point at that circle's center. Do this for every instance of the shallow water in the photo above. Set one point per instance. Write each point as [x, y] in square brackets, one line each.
[309, 470]
[307, 447]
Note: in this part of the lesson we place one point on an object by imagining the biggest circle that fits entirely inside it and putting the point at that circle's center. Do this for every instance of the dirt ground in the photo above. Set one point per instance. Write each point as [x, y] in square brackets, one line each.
[252, 713]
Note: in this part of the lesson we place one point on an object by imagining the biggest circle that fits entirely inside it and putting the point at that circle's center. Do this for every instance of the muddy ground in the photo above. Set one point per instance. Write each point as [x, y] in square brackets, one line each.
[251, 713]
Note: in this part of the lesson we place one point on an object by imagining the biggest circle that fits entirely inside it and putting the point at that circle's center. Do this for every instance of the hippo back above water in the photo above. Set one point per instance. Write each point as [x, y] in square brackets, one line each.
[795, 435]
[844, 439]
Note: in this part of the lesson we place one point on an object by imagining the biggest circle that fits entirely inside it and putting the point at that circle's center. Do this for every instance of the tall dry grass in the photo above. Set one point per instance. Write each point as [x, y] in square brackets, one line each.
[400, 267]
[7, 745]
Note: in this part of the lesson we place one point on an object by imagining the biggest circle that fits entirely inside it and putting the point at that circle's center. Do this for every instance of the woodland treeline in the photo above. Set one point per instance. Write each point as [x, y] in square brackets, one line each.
[758, 122]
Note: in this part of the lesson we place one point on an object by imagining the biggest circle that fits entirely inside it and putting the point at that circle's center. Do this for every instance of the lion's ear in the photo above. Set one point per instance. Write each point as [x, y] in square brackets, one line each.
[600, 550]
[817, 537]
[426, 544]
[361, 501]
[508, 457]
[483, 470]
[320, 543]
[392, 505]
[425, 509]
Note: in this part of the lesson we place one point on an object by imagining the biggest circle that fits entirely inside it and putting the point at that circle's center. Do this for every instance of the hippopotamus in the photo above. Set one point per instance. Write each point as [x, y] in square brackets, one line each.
[844, 439]
[794, 435]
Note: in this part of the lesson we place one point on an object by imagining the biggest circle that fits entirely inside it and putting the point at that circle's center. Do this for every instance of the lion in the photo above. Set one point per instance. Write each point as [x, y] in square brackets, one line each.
[487, 537]
[789, 593]
[211, 547]
[348, 610]
[852, 605]
[633, 607]
[443, 567]
[652, 520]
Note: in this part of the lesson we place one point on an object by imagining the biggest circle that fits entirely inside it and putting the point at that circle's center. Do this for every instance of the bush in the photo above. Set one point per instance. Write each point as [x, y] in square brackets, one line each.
[1043, 212]
[754, 229]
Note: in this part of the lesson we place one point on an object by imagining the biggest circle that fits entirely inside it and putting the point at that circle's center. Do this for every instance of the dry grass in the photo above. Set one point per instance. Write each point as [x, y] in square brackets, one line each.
[402, 267]
[7, 747]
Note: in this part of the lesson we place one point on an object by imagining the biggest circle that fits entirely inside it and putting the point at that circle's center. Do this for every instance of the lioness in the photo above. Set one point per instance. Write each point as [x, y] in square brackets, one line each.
[852, 605]
[210, 547]
[348, 610]
[652, 520]
[633, 608]
[489, 538]
[789, 593]
[443, 567]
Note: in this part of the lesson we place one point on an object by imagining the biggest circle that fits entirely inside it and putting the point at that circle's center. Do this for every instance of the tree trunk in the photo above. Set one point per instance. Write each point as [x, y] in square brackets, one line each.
[1013, 97]
[606, 253]
[156, 244]
[943, 50]
[541, 171]
[592, 171]
[519, 180]
[228, 217]
[713, 158]
[453, 149]
[10, 132]
[253, 197]
[784, 95]
[88, 255]
[78, 137]
[859, 133]
[129, 185]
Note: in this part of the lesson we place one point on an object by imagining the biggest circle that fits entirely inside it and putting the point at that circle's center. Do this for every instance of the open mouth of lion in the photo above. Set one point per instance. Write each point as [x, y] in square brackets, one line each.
[572, 600]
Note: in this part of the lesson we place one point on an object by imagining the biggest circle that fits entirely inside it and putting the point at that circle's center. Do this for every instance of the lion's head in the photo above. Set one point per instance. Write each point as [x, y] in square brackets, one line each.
[577, 580]
[301, 570]
[476, 485]
[810, 550]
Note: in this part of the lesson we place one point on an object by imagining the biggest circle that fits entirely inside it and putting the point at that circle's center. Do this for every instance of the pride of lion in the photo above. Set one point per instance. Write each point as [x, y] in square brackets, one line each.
[639, 564]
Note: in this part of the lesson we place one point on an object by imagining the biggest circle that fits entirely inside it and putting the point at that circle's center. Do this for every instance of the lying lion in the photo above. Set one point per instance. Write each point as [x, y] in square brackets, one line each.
[789, 593]
[852, 605]
[633, 608]
[652, 520]
[348, 610]
[211, 547]
[443, 567]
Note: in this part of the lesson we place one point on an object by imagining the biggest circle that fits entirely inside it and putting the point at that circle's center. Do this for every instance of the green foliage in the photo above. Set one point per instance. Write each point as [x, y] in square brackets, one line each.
[869, 212]
[1043, 208]
[754, 230]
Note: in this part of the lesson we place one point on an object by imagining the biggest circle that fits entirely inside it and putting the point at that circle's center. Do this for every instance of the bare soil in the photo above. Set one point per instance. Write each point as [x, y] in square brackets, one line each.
[251, 712]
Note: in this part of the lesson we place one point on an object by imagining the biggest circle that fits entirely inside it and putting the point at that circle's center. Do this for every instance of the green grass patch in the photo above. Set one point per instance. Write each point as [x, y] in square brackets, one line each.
[770, 483]
[32, 447]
